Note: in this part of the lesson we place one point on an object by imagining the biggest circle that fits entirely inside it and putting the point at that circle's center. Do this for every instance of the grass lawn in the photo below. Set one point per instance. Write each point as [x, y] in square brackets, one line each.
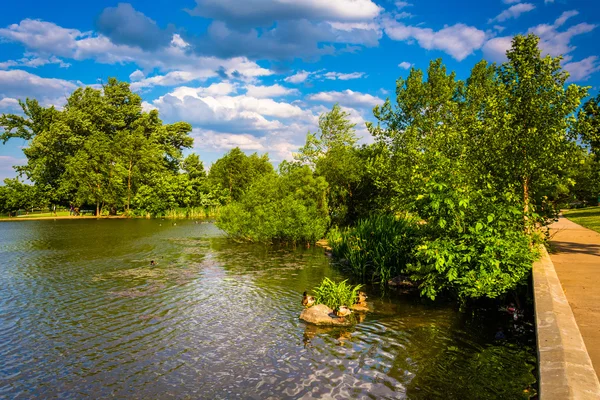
[588, 217]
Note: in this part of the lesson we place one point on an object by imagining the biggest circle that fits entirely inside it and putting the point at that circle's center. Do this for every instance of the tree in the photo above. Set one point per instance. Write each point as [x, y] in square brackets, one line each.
[333, 154]
[236, 171]
[99, 149]
[536, 115]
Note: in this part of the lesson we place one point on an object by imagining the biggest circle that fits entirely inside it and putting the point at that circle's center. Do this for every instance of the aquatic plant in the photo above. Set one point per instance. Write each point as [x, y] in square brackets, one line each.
[376, 248]
[335, 295]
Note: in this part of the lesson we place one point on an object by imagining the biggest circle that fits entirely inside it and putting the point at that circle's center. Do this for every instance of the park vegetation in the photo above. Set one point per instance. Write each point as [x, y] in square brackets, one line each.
[455, 191]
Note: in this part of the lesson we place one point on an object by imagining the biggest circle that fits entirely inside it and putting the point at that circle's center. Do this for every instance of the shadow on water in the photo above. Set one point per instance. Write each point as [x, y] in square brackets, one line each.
[83, 313]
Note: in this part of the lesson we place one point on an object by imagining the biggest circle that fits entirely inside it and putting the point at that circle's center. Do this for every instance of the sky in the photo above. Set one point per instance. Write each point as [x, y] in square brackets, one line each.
[256, 74]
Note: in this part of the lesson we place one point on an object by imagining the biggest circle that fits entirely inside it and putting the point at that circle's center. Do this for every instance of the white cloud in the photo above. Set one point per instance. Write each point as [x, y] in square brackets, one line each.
[46, 38]
[33, 61]
[402, 4]
[269, 91]
[495, 49]
[405, 65]
[552, 41]
[499, 28]
[48, 91]
[513, 12]
[347, 98]
[136, 75]
[260, 12]
[458, 40]
[216, 108]
[298, 77]
[582, 70]
[557, 43]
[342, 76]
[6, 166]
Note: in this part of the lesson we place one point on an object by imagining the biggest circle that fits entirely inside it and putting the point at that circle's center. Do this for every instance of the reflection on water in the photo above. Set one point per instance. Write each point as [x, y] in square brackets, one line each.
[83, 313]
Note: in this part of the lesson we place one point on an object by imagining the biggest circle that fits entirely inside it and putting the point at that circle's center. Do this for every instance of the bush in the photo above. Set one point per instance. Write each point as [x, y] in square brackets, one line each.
[376, 248]
[285, 208]
[473, 243]
[334, 295]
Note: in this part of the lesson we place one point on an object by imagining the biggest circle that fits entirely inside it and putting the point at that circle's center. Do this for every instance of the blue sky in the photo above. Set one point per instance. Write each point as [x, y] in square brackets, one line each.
[257, 73]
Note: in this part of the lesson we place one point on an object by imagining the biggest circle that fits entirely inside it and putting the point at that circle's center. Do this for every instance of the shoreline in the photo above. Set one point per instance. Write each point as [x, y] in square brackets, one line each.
[62, 217]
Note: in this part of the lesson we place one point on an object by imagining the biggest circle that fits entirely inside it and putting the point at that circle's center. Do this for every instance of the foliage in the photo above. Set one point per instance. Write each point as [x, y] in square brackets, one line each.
[377, 248]
[288, 207]
[472, 244]
[101, 149]
[335, 295]
[588, 124]
[235, 172]
[332, 153]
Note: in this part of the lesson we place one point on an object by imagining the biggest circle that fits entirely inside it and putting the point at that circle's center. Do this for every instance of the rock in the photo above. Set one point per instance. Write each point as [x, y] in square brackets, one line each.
[360, 307]
[402, 281]
[323, 316]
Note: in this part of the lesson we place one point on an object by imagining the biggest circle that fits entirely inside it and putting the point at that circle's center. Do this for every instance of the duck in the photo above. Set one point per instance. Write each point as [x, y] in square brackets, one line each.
[361, 299]
[342, 311]
[307, 301]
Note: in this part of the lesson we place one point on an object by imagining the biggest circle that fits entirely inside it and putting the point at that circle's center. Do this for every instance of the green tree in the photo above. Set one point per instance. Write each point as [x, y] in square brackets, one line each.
[333, 154]
[236, 171]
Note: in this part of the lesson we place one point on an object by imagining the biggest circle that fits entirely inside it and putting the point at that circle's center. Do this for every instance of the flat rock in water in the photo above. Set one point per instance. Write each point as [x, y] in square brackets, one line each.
[323, 315]
[360, 307]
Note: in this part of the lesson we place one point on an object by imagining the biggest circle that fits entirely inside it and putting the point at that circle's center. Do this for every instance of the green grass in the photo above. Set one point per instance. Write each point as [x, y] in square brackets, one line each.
[587, 217]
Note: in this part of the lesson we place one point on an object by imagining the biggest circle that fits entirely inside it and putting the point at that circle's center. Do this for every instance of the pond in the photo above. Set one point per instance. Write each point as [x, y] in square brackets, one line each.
[84, 314]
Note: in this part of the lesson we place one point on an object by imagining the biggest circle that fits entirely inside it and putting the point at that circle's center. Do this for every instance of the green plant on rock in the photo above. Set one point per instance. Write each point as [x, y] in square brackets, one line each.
[335, 295]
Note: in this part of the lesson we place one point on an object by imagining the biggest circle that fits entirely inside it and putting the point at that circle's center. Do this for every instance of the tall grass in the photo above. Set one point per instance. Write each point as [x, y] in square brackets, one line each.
[376, 248]
[334, 295]
[192, 213]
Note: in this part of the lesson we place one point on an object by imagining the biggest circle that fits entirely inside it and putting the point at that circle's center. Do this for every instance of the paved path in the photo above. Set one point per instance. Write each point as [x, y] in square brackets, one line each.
[576, 258]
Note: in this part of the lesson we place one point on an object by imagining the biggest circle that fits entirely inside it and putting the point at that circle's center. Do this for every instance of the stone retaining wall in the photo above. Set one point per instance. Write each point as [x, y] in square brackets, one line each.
[565, 368]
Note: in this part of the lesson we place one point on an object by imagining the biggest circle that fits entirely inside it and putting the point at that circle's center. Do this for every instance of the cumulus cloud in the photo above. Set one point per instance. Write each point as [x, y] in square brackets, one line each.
[513, 12]
[342, 76]
[557, 43]
[347, 98]
[552, 41]
[6, 166]
[33, 61]
[405, 65]
[298, 77]
[495, 48]
[216, 108]
[19, 84]
[269, 91]
[265, 12]
[46, 38]
[458, 40]
[582, 70]
[124, 25]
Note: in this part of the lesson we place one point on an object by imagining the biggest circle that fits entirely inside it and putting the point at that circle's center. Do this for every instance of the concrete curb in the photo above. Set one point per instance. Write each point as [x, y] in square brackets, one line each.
[565, 367]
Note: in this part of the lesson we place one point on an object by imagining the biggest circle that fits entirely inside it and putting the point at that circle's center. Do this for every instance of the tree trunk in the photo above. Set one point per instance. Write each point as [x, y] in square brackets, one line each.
[526, 203]
[129, 184]
[97, 208]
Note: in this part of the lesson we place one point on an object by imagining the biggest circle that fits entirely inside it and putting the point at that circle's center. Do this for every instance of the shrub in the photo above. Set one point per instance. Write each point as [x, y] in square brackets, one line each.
[376, 248]
[286, 208]
[334, 295]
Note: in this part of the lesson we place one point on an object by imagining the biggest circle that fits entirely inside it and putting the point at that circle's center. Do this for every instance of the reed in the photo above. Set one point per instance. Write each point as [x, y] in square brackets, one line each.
[376, 248]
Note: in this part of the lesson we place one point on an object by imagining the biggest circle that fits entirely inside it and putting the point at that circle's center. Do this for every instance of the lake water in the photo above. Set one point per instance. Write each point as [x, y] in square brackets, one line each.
[83, 314]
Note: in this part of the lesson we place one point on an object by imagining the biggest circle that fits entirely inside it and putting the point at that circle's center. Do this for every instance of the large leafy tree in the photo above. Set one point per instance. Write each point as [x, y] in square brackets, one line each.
[100, 149]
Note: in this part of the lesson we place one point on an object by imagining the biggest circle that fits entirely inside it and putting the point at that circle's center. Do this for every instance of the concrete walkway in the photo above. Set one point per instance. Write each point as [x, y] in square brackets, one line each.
[576, 258]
